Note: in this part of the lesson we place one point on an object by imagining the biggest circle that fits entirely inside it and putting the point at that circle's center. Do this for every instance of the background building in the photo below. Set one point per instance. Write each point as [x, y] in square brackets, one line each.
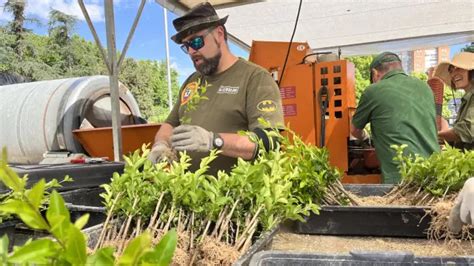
[421, 60]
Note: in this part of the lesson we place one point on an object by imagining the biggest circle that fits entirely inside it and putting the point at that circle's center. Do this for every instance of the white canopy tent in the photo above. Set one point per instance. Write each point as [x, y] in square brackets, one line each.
[357, 27]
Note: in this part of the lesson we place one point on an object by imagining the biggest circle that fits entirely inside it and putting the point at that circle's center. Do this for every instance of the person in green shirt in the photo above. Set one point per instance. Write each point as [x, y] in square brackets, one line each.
[237, 94]
[400, 110]
[459, 74]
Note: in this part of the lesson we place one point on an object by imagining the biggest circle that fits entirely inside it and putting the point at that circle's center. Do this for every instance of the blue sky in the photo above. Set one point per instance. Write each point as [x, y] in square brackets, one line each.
[149, 38]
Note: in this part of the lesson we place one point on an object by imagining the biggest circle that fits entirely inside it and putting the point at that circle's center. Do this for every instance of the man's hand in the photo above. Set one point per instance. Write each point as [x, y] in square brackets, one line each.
[463, 210]
[191, 138]
[160, 151]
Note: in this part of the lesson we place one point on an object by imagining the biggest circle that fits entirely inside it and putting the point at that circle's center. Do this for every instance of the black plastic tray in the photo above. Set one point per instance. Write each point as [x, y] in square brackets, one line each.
[393, 221]
[84, 196]
[84, 175]
[370, 259]
[367, 221]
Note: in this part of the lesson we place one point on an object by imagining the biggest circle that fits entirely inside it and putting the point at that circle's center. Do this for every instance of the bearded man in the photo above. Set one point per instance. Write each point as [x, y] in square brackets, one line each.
[237, 94]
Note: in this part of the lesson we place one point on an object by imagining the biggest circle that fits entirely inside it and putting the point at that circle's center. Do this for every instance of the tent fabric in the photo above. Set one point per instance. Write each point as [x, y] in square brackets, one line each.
[357, 27]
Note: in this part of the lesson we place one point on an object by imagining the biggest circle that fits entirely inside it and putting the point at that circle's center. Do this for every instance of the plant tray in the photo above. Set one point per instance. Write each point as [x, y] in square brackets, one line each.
[393, 221]
[354, 258]
[84, 175]
[367, 221]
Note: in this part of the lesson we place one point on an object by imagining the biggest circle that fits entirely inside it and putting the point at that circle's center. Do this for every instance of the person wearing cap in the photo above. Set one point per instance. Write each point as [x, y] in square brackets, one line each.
[400, 110]
[238, 94]
[459, 74]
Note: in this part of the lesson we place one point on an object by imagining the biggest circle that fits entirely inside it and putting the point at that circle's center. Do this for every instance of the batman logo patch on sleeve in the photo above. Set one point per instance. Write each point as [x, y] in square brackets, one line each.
[267, 106]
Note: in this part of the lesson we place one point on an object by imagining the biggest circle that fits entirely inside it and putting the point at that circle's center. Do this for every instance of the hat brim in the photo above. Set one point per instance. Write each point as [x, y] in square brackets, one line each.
[463, 60]
[178, 37]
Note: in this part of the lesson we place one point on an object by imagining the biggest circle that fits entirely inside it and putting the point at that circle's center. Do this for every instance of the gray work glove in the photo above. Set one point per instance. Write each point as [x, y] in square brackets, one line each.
[463, 210]
[159, 151]
[191, 138]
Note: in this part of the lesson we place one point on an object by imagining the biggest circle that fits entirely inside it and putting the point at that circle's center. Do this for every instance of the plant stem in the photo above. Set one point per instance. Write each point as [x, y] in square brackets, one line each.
[159, 221]
[252, 222]
[125, 232]
[155, 213]
[225, 224]
[138, 226]
[170, 218]
[104, 227]
[219, 221]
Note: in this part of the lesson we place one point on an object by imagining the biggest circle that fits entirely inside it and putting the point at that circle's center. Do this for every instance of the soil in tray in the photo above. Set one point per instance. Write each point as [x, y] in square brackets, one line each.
[343, 245]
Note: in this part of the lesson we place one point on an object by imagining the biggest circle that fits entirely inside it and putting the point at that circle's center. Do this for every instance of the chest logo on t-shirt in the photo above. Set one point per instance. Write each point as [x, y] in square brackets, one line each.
[267, 106]
[188, 92]
[228, 90]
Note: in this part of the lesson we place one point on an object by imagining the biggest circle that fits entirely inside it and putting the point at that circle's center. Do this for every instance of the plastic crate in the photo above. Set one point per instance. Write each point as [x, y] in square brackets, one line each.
[265, 258]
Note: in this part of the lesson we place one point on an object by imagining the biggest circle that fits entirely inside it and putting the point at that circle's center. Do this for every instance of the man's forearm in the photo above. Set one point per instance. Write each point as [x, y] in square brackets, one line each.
[164, 133]
[358, 133]
[236, 145]
[448, 135]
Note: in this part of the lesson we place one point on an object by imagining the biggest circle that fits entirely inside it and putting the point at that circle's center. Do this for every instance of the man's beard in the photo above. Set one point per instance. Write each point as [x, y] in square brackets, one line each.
[208, 66]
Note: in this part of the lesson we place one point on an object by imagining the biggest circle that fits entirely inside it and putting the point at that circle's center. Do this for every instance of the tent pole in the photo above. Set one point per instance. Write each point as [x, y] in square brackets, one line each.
[113, 76]
[168, 69]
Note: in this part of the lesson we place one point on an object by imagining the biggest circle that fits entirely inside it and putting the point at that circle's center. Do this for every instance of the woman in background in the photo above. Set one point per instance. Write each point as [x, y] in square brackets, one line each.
[459, 74]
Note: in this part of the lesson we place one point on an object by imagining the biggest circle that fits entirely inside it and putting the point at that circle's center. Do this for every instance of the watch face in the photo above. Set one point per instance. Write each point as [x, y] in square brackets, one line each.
[218, 142]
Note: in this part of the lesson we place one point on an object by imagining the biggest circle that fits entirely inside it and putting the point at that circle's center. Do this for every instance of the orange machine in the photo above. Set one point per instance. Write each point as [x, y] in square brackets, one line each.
[318, 103]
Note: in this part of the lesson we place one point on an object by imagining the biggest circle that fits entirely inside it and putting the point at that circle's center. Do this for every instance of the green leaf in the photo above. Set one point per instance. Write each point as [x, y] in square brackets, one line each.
[82, 221]
[27, 214]
[58, 216]
[164, 251]
[8, 176]
[37, 251]
[57, 206]
[102, 257]
[4, 249]
[76, 247]
[135, 249]
[36, 193]
[59, 227]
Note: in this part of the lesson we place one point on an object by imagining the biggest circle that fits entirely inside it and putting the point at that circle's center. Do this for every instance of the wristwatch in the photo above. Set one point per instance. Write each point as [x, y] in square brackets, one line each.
[217, 142]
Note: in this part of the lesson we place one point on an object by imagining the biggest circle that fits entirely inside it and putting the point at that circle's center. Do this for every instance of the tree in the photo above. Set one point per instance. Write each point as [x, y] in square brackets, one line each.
[469, 48]
[61, 25]
[60, 28]
[362, 73]
[17, 9]
[147, 81]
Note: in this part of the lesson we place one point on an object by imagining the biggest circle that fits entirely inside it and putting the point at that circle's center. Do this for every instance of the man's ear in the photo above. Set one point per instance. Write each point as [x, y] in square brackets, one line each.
[375, 75]
[220, 33]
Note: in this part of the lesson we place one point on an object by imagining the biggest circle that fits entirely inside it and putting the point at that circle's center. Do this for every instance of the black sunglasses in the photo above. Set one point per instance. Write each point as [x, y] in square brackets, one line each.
[196, 43]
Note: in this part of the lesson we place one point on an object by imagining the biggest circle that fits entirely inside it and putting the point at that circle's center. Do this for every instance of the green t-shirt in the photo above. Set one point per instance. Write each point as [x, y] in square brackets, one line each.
[401, 110]
[464, 124]
[237, 97]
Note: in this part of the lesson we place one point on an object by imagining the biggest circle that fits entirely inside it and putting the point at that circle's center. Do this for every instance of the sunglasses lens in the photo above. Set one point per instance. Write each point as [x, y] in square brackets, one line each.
[196, 43]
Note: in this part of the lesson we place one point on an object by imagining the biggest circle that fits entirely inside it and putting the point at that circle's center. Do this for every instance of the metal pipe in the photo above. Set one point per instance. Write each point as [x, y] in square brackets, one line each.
[168, 69]
[114, 88]
[94, 34]
[130, 34]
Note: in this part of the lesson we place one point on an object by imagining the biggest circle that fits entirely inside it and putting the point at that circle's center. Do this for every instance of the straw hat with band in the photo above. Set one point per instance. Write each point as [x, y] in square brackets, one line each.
[200, 17]
[384, 57]
[464, 60]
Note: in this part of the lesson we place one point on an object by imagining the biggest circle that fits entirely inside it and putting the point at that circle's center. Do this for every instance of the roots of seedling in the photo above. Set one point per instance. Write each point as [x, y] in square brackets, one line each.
[214, 252]
[439, 224]
[199, 242]
[337, 195]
